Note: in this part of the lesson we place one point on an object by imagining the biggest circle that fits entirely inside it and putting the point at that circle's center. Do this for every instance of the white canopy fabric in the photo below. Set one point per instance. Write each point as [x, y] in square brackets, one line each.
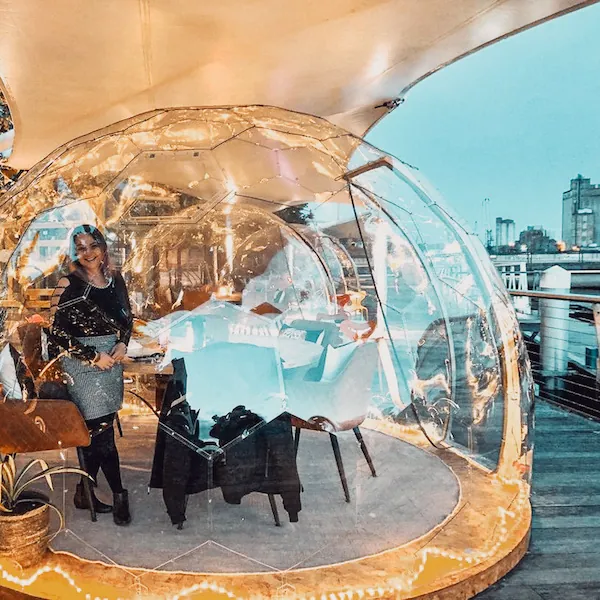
[69, 67]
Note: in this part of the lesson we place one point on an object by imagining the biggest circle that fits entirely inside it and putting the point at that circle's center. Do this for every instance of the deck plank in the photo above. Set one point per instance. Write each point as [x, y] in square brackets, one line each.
[576, 540]
[563, 561]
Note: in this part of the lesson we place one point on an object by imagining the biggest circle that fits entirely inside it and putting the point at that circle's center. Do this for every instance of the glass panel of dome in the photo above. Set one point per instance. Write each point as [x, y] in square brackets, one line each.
[364, 153]
[188, 171]
[274, 139]
[44, 246]
[278, 191]
[477, 388]
[433, 235]
[288, 122]
[70, 154]
[430, 193]
[192, 178]
[195, 134]
[500, 297]
[190, 134]
[32, 175]
[98, 159]
[116, 128]
[493, 276]
[341, 147]
[234, 123]
[519, 371]
[88, 168]
[483, 409]
[407, 303]
[317, 170]
[246, 164]
[157, 121]
[339, 264]
[65, 184]
[19, 208]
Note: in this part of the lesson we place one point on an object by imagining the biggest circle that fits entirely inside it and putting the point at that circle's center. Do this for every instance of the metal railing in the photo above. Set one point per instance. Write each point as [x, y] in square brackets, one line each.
[562, 334]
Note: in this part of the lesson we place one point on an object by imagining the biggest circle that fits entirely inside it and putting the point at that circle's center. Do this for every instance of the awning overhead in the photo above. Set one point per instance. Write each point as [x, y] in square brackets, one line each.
[69, 67]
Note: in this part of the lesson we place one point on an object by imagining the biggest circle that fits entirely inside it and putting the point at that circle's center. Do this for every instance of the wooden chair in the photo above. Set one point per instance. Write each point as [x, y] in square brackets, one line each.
[355, 307]
[40, 425]
[351, 303]
[38, 299]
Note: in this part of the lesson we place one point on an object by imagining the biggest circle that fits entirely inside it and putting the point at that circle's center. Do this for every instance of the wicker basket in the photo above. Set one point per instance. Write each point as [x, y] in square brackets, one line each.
[24, 538]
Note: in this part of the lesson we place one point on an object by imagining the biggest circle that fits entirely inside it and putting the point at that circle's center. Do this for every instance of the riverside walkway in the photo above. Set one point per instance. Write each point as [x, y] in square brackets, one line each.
[563, 562]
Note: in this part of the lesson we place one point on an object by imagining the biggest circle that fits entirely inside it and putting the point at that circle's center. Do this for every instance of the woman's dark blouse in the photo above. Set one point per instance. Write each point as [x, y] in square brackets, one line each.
[86, 311]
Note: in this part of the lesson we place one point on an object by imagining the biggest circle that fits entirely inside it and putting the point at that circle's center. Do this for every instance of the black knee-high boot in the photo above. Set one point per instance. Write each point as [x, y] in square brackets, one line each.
[91, 456]
[109, 462]
[108, 456]
[80, 500]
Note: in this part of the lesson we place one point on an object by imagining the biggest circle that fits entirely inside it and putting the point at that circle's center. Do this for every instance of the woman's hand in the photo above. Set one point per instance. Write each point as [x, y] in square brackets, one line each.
[104, 361]
[118, 352]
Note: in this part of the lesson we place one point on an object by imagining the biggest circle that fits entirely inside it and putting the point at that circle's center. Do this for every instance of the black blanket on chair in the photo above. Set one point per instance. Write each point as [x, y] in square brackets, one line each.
[182, 464]
[258, 457]
[252, 456]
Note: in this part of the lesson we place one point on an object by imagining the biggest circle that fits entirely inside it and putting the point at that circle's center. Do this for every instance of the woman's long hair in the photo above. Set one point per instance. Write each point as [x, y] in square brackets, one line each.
[74, 265]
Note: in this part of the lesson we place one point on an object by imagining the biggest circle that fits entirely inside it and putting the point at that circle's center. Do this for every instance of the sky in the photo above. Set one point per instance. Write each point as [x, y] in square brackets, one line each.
[514, 122]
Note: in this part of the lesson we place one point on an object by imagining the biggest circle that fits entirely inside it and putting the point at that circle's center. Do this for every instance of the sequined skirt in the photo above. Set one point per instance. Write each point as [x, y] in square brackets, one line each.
[95, 392]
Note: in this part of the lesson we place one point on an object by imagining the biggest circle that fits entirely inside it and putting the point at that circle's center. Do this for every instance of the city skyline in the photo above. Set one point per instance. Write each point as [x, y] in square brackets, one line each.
[514, 122]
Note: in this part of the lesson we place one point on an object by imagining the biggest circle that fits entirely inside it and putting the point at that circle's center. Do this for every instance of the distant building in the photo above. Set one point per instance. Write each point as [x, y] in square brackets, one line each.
[536, 240]
[505, 232]
[581, 214]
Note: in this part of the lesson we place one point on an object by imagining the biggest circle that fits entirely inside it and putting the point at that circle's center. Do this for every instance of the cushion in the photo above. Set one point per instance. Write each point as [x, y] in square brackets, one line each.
[298, 353]
[336, 360]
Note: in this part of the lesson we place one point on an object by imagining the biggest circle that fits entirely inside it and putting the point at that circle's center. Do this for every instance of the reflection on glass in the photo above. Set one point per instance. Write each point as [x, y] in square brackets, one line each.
[375, 256]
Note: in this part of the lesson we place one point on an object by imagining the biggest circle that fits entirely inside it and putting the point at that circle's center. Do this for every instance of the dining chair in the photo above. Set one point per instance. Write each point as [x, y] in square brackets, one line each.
[338, 402]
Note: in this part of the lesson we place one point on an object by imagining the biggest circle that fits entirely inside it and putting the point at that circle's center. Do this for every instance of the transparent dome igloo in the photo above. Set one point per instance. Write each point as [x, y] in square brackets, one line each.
[299, 272]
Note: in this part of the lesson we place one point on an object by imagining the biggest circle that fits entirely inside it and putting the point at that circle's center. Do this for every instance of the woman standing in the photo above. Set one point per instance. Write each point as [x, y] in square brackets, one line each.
[92, 323]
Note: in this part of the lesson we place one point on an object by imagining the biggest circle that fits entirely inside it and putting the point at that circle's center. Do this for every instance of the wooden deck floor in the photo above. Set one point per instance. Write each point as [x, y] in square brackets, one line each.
[563, 562]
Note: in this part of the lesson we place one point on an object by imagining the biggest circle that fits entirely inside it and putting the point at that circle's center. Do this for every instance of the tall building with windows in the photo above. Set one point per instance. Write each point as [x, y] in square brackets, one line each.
[581, 213]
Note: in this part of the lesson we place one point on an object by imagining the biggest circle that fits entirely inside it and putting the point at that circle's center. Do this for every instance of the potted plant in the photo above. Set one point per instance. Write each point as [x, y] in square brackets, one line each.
[24, 512]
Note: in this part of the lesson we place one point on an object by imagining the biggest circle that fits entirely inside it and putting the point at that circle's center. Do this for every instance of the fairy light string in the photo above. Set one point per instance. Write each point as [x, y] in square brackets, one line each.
[403, 583]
